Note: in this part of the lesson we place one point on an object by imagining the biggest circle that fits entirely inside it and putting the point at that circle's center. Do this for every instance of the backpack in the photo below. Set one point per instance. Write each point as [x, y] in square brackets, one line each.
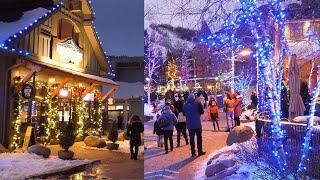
[164, 123]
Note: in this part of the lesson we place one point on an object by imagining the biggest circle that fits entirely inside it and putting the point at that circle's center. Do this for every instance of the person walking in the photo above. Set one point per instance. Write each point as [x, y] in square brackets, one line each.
[214, 113]
[159, 132]
[178, 106]
[134, 130]
[193, 110]
[167, 121]
[229, 108]
[181, 129]
[237, 109]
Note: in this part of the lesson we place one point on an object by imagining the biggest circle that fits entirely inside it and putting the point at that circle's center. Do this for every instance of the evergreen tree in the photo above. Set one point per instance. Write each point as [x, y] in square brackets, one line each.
[172, 71]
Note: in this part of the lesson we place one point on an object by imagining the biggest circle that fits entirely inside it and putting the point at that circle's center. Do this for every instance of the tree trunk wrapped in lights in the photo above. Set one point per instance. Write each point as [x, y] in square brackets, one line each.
[51, 114]
[152, 61]
[307, 139]
[15, 141]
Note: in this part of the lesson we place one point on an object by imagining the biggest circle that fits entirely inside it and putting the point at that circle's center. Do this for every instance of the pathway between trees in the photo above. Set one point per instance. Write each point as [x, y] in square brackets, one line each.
[179, 164]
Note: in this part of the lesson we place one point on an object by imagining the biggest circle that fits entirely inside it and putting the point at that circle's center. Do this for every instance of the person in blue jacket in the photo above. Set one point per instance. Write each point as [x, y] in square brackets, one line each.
[167, 115]
[193, 110]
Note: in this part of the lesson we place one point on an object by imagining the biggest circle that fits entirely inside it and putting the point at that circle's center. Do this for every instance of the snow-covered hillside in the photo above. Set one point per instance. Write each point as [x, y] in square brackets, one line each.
[187, 13]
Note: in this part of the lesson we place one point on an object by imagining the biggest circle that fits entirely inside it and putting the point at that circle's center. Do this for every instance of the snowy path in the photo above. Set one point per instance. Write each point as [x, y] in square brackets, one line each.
[179, 164]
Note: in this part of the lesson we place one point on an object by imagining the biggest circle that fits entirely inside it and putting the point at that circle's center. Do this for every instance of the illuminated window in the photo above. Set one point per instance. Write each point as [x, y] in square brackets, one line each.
[111, 107]
[119, 107]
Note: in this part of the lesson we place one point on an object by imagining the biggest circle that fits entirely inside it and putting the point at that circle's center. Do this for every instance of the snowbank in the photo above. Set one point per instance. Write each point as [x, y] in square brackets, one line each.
[24, 165]
[248, 115]
[124, 147]
[247, 164]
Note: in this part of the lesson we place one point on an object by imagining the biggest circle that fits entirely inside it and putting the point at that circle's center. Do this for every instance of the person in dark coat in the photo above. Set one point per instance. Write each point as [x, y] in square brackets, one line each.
[178, 106]
[159, 132]
[134, 130]
[167, 115]
[193, 111]
[120, 121]
[181, 125]
[254, 100]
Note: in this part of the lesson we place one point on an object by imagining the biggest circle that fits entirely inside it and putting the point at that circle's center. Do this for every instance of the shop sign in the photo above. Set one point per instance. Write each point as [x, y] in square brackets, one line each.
[69, 52]
[28, 91]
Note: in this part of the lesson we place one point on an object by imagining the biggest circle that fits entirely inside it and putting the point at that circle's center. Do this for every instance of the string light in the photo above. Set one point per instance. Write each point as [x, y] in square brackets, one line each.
[268, 85]
[16, 137]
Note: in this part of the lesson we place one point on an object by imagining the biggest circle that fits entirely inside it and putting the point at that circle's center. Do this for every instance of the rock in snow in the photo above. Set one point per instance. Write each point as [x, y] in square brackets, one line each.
[240, 134]
[219, 167]
[92, 141]
[40, 150]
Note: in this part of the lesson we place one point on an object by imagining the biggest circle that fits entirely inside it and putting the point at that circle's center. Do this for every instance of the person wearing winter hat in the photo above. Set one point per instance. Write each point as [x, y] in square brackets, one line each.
[167, 121]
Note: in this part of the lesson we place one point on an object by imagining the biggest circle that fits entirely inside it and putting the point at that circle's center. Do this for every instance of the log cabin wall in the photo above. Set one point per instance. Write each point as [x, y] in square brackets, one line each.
[42, 42]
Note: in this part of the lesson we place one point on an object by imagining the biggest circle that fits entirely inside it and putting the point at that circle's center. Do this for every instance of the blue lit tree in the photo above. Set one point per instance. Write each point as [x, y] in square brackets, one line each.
[152, 62]
[185, 70]
[269, 75]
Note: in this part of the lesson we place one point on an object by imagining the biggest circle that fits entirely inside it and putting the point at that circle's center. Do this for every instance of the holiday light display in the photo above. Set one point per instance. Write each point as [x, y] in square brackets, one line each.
[242, 85]
[51, 114]
[16, 137]
[307, 139]
[185, 70]
[172, 72]
[268, 84]
[152, 61]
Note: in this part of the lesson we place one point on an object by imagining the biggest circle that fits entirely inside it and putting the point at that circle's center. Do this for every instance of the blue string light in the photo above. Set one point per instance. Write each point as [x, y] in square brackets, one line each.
[268, 86]
[8, 45]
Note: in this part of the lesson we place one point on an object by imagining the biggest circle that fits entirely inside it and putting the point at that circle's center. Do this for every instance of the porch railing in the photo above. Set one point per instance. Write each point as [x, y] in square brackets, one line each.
[293, 140]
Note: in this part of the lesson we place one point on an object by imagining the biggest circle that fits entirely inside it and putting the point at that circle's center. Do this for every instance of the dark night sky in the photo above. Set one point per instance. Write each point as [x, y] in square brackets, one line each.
[119, 24]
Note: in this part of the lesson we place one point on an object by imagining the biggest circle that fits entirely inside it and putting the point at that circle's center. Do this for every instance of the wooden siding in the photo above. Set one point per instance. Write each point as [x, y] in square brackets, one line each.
[41, 43]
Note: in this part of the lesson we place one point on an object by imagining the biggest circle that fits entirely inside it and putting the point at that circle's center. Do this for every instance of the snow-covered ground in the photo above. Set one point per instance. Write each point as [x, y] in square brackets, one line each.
[124, 147]
[24, 165]
[247, 164]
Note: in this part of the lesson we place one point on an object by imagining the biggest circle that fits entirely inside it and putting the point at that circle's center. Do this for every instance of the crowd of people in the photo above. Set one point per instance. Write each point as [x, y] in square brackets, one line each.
[185, 111]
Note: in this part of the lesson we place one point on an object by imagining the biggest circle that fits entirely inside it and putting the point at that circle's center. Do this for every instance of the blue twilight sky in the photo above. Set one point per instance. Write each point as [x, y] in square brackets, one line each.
[119, 24]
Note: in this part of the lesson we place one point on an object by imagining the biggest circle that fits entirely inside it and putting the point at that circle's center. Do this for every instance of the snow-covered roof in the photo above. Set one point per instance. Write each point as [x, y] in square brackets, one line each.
[304, 49]
[28, 18]
[129, 90]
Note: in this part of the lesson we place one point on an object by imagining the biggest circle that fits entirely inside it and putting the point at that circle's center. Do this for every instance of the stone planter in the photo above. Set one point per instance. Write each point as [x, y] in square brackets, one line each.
[65, 155]
[112, 146]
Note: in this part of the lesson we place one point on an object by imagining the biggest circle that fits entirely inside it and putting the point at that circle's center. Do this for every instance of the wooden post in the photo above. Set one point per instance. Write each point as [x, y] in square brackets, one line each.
[60, 86]
[89, 89]
[111, 90]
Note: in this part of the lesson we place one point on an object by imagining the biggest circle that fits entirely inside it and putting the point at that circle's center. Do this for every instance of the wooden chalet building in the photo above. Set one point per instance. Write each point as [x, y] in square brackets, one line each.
[52, 65]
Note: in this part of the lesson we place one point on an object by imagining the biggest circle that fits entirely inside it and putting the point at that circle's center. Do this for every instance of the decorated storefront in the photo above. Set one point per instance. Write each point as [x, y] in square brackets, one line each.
[54, 72]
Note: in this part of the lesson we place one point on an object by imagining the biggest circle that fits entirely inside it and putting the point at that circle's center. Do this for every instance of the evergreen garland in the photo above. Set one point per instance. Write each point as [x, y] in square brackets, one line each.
[15, 141]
